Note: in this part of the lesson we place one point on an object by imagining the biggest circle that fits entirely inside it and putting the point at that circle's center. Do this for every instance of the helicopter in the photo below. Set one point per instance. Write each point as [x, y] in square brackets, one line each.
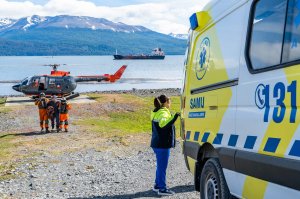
[60, 83]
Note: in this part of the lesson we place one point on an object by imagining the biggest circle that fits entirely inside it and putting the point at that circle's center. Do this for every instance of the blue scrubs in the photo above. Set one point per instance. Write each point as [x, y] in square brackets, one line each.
[162, 159]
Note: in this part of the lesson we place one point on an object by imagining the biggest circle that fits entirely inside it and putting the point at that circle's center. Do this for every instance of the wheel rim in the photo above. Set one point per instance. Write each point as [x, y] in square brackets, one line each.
[211, 187]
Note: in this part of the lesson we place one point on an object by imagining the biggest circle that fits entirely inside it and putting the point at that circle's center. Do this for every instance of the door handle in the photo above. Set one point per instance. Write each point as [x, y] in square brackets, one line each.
[213, 108]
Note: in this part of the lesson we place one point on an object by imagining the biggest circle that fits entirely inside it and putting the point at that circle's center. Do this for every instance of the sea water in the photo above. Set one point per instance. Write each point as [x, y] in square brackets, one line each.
[140, 74]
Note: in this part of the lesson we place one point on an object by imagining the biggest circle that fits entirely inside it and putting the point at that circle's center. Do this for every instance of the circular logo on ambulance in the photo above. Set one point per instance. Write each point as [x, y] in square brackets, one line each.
[260, 99]
[203, 58]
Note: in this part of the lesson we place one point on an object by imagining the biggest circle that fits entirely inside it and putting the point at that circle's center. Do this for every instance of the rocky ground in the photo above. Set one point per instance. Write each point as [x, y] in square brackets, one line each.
[96, 174]
[82, 164]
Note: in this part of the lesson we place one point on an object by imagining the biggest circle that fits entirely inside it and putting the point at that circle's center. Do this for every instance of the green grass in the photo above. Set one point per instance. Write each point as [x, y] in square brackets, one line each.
[2, 101]
[4, 110]
[4, 172]
[126, 122]
[5, 145]
[117, 98]
[6, 155]
[9, 154]
[120, 123]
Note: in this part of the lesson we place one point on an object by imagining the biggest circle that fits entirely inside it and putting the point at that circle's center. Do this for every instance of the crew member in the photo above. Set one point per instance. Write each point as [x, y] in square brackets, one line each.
[163, 139]
[42, 105]
[64, 108]
[53, 112]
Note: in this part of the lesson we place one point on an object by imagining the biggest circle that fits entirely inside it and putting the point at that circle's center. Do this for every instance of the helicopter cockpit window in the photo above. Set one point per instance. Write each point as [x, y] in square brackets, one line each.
[25, 81]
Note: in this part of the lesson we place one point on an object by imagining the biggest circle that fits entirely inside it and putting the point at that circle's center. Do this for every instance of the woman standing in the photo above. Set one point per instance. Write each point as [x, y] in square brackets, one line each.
[163, 139]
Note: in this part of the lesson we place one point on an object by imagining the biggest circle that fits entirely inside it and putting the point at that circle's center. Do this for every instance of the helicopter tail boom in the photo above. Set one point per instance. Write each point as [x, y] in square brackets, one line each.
[105, 77]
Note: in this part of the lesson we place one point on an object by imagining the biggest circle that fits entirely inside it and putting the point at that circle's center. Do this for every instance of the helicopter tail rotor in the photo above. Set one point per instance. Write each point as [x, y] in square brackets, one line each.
[117, 75]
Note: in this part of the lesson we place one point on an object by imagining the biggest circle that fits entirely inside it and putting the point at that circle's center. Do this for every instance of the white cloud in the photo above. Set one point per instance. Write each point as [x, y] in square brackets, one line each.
[168, 16]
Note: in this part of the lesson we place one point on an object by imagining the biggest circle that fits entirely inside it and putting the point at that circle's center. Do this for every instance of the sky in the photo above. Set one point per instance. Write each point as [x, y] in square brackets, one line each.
[165, 16]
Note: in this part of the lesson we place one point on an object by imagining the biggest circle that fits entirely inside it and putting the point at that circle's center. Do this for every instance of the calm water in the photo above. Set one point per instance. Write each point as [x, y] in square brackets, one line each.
[140, 74]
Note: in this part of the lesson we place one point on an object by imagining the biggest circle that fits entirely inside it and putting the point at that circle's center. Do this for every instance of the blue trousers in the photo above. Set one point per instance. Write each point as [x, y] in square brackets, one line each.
[162, 159]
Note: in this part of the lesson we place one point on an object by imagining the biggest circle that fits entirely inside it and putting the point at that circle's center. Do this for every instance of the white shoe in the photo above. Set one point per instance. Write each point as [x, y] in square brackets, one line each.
[155, 189]
[165, 192]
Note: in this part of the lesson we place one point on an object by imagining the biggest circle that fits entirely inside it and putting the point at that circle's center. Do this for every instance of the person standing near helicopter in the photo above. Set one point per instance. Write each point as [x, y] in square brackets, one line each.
[53, 112]
[42, 103]
[64, 108]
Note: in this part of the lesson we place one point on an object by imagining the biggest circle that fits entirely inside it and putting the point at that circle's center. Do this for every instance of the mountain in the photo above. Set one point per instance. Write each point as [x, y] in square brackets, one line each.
[65, 21]
[179, 36]
[76, 35]
[6, 23]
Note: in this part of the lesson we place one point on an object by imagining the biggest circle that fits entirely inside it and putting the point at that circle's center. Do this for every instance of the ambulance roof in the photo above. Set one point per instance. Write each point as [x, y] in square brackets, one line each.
[224, 4]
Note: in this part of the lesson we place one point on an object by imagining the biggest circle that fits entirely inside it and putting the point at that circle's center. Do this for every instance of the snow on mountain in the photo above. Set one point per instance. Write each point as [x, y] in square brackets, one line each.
[179, 36]
[68, 22]
[34, 20]
[5, 23]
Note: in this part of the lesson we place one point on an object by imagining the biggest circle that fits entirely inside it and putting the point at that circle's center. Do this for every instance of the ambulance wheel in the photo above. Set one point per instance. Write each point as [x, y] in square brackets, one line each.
[212, 182]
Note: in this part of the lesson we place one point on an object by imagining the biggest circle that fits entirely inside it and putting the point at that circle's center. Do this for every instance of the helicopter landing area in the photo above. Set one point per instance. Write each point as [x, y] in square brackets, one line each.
[26, 101]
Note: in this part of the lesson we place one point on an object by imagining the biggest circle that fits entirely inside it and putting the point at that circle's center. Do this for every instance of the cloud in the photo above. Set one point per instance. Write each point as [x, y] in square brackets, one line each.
[166, 17]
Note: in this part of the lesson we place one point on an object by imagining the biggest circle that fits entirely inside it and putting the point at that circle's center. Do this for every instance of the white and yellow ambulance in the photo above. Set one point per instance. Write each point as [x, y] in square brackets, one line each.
[240, 99]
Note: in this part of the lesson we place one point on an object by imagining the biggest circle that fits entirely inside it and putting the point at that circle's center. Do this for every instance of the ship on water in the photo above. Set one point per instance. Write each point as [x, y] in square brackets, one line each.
[157, 53]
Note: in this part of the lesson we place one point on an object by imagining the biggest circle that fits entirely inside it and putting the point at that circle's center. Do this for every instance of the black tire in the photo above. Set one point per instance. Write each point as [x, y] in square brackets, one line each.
[212, 182]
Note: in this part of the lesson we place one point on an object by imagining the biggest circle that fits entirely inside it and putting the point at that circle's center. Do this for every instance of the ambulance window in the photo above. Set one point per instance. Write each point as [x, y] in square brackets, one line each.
[267, 33]
[291, 50]
[187, 52]
[186, 60]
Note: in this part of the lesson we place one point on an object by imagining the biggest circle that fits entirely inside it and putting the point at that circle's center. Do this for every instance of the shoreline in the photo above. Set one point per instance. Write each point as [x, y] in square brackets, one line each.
[138, 92]
[142, 92]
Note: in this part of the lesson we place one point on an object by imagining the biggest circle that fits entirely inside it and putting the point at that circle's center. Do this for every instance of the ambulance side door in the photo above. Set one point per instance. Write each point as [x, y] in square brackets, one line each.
[267, 102]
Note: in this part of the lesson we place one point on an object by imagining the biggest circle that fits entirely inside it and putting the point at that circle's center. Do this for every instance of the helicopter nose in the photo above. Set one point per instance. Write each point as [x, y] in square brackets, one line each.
[16, 87]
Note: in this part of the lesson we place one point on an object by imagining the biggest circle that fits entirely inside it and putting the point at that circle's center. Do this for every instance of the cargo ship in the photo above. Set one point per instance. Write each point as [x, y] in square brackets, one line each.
[157, 53]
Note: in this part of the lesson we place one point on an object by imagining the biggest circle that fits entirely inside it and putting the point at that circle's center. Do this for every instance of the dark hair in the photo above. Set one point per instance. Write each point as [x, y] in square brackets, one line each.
[159, 101]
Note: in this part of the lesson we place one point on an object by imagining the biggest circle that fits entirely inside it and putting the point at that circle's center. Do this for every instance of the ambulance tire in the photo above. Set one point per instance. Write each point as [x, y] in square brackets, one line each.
[212, 181]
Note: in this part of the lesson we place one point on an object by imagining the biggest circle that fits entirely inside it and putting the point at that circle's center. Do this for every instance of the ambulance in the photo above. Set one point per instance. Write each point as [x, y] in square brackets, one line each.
[240, 116]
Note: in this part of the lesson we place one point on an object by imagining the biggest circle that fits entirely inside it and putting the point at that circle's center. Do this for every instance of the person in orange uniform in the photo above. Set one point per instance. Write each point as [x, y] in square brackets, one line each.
[64, 108]
[42, 105]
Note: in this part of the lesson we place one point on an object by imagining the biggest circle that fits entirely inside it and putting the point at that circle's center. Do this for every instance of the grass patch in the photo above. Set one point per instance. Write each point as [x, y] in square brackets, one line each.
[117, 98]
[5, 145]
[2, 104]
[6, 155]
[121, 123]
[5, 173]
[9, 155]
[4, 110]
[125, 122]
[2, 101]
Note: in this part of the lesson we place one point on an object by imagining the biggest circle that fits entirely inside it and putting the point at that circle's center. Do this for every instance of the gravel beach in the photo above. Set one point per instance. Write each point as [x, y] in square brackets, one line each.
[83, 164]
[145, 92]
[94, 174]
